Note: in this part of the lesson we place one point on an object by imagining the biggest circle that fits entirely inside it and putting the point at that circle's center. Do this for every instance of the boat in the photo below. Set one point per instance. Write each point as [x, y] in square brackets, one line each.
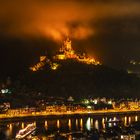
[113, 121]
[23, 133]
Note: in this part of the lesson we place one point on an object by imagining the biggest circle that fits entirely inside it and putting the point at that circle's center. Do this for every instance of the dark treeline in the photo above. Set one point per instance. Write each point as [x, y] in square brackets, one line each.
[78, 80]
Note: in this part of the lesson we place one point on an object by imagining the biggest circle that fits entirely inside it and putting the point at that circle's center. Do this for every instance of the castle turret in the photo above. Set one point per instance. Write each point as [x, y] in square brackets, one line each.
[67, 45]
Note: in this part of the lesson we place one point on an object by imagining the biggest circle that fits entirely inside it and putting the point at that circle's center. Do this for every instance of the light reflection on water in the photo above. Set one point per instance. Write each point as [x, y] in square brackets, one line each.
[129, 120]
[125, 121]
[81, 124]
[88, 124]
[69, 124]
[97, 124]
[51, 126]
[58, 124]
[136, 118]
[22, 125]
[103, 123]
[76, 123]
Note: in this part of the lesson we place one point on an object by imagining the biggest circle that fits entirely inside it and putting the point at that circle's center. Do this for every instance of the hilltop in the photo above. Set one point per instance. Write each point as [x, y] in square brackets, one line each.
[79, 79]
[71, 74]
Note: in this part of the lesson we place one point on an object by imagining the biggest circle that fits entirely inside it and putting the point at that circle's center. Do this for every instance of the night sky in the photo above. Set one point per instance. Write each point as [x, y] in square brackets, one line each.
[108, 30]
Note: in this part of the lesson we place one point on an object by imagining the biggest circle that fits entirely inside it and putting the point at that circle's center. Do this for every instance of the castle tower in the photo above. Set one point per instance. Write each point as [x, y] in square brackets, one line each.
[67, 49]
[67, 45]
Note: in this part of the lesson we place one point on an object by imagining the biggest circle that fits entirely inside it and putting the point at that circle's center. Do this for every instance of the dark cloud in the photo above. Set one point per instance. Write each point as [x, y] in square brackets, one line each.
[108, 30]
[52, 18]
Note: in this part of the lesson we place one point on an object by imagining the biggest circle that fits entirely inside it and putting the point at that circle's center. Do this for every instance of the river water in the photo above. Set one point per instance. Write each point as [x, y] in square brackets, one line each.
[46, 127]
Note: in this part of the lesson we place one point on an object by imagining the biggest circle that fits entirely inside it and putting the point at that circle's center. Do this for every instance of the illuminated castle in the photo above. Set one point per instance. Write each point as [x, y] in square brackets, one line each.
[65, 52]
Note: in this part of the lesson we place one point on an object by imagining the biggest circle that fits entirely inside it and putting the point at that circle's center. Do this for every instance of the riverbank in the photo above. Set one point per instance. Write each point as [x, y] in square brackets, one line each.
[6, 117]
